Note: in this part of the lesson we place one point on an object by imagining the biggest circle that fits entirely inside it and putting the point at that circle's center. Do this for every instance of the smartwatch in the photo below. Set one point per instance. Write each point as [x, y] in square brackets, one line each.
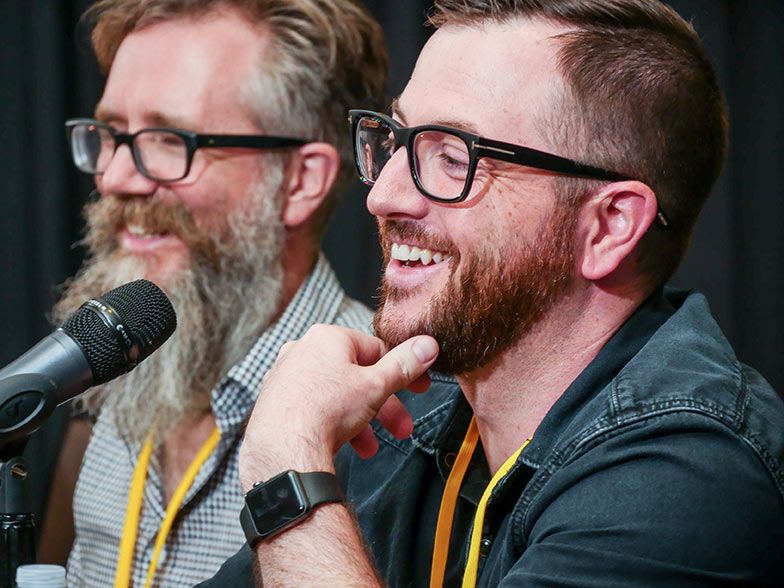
[286, 500]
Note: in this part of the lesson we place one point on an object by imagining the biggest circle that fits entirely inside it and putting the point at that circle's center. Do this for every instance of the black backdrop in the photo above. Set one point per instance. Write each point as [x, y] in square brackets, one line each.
[47, 74]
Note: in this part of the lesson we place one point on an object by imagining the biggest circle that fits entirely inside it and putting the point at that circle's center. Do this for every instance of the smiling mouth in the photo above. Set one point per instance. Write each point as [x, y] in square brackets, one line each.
[139, 232]
[409, 255]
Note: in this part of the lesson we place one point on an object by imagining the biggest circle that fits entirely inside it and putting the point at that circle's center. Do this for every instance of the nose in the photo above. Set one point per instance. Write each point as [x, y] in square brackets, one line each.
[122, 176]
[394, 195]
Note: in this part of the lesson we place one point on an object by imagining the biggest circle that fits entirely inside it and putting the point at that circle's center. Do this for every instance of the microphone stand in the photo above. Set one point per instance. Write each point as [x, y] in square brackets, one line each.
[26, 401]
[17, 525]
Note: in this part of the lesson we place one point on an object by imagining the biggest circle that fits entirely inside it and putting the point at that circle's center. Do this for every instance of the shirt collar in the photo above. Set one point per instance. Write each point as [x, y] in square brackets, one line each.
[615, 354]
[442, 429]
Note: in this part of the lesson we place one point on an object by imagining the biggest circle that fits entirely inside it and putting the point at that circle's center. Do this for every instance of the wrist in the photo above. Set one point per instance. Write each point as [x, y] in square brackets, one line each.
[260, 460]
[285, 501]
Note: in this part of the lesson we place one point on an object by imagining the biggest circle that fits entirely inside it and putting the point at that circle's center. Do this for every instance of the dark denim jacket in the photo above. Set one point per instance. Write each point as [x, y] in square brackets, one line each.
[661, 465]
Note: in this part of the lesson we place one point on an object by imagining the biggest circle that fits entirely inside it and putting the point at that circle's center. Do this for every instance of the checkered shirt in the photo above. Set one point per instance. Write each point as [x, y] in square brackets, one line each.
[206, 530]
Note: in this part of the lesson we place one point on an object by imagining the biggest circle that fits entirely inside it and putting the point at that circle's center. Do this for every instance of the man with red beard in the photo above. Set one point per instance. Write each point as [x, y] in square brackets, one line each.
[535, 185]
[219, 150]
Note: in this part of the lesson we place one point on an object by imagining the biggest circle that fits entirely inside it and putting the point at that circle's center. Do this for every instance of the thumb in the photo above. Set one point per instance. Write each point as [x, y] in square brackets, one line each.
[409, 360]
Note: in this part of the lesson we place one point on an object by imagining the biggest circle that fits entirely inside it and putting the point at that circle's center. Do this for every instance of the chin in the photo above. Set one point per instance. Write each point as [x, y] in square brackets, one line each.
[161, 270]
[393, 325]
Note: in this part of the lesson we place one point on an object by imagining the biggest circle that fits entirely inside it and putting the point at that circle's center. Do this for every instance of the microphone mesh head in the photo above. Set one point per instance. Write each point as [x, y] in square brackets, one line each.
[148, 317]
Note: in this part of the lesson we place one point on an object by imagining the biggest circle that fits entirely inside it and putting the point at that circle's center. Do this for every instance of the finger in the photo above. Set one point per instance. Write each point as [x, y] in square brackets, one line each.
[420, 385]
[368, 349]
[395, 418]
[365, 443]
[406, 362]
[364, 349]
[285, 349]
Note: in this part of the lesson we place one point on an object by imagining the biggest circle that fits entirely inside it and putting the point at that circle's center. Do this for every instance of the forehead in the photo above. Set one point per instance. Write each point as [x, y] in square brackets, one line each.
[494, 79]
[192, 70]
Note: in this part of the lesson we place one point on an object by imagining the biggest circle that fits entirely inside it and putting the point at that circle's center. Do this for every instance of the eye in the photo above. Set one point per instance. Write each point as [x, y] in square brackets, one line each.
[454, 159]
[160, 140]
[167, 139]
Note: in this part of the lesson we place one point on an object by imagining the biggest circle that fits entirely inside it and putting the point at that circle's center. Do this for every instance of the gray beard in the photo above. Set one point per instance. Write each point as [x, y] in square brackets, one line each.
[222, 303]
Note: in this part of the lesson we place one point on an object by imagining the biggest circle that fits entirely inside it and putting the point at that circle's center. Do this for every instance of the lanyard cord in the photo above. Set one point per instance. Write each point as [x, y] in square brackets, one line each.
[472, 565]
[448, 503]
[447, 510]
[136, 495]
[128, 542]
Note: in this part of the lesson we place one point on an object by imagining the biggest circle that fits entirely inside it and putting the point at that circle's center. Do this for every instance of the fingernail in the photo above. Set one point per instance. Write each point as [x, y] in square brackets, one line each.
[425, 349]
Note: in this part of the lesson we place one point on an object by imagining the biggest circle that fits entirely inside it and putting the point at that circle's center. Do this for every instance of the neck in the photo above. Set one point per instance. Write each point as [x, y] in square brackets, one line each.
[298, 258]
[512, 394]
[180, 448]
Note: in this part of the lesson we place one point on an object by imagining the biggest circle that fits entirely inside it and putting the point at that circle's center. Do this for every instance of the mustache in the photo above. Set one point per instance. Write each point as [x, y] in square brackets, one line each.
[390, 231]
[109, 214]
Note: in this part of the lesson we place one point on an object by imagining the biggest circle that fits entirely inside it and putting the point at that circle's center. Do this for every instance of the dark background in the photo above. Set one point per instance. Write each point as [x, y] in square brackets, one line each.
[47, 74]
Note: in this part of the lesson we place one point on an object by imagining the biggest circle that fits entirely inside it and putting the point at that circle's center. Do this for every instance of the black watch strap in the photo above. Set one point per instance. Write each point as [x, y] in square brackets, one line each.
[321, 487]
[317, 487]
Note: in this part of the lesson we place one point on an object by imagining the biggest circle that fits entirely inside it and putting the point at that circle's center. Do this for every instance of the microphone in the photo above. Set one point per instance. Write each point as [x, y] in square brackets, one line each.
[105, 338]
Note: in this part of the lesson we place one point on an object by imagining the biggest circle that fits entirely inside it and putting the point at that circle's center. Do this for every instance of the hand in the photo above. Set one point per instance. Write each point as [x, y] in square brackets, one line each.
[322, 392]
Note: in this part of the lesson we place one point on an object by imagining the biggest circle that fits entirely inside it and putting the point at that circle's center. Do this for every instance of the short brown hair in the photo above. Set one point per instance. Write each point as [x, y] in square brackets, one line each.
[326, 56]
[641, 98]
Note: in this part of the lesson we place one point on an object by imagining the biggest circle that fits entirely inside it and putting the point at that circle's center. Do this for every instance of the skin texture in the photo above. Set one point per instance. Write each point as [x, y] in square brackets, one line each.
[465, 77]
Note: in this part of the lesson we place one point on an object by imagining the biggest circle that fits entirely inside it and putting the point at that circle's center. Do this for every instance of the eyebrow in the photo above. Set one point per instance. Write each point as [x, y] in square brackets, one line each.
[394, 109]
[462, 125]
[155, 118]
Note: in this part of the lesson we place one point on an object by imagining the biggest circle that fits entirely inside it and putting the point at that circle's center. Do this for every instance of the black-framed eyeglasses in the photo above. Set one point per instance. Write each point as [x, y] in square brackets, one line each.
[160, 153]
[443, 160]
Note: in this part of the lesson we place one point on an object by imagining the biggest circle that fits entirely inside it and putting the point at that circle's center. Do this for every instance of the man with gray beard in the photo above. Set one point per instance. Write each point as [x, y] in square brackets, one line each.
[217, 320]
[218, 149]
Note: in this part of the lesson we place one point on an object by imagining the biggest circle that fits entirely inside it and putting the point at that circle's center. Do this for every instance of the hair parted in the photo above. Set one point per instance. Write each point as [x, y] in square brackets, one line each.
[640, 98]
[325, 57]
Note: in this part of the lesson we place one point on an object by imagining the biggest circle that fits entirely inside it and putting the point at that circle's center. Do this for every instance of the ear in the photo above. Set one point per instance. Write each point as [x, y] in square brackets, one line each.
[612, 222]
[310, 177]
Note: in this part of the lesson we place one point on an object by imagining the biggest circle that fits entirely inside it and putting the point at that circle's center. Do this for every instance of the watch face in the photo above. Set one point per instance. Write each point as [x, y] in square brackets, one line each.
[277, 503]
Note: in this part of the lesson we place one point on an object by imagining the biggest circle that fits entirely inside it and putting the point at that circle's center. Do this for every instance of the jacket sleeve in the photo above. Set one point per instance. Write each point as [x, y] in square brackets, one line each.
[237, 571]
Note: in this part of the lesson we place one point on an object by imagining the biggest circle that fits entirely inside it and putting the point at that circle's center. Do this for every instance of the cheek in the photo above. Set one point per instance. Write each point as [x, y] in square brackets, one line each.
[209, 202]
[219, 180]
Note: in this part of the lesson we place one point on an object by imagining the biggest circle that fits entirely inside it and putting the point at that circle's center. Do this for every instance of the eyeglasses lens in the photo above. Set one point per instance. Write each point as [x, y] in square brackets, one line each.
[92, 147]
[441, 159]
[164, 155]
[442, 162]
[375, 144]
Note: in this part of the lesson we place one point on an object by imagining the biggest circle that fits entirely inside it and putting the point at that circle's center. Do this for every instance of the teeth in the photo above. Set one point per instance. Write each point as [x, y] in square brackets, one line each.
[139, 232]
[403, 252]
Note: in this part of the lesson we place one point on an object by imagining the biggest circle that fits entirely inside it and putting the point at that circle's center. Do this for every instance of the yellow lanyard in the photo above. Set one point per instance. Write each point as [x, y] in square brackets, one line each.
[447, 511]
[136, 495]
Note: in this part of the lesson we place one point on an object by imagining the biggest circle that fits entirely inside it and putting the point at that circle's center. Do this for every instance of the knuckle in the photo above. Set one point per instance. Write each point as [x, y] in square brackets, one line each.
[377, 381]
[403, 366]
[285, 348]
[317, 330]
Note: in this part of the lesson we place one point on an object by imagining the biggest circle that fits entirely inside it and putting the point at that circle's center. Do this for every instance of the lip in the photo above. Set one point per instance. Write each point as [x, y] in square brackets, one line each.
[132, 243]
[417, 276]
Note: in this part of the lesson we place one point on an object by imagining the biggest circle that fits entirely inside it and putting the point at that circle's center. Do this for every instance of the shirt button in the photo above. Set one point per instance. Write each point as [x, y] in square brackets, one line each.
[484, 546]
